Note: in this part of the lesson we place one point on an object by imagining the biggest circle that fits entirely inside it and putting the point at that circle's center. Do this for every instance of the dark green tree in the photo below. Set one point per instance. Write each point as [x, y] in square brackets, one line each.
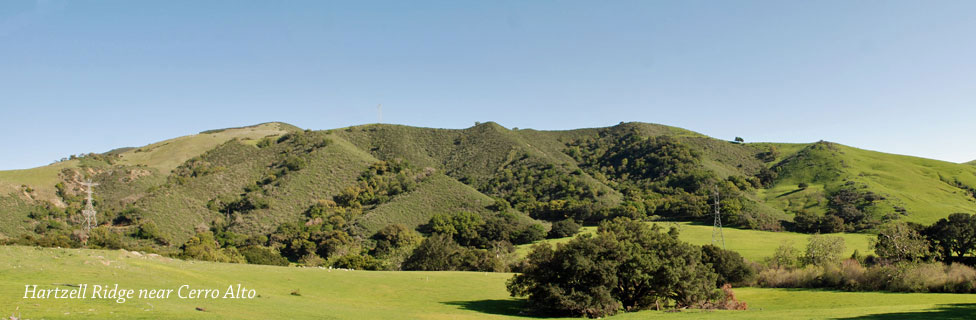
[438, 252]
[626, 266]
[730, 267]
[953, 236]
[563, 228]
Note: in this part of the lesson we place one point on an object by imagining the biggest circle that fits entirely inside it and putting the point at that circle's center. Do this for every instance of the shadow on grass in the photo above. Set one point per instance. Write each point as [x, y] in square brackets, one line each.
[506, 307]
[944, 311]
[789, 193]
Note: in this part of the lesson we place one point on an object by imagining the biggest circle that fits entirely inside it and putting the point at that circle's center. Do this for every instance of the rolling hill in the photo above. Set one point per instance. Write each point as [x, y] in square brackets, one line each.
[253, 179]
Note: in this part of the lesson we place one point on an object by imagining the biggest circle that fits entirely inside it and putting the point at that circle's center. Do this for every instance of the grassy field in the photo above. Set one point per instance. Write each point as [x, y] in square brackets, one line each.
[751, 244]
[337, 294]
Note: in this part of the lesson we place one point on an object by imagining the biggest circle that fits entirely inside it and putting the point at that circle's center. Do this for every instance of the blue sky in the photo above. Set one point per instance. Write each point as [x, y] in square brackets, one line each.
[89, 76]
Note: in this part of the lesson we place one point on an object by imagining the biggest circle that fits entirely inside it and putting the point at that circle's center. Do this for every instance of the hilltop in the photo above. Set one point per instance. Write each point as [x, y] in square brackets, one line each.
[274, 179]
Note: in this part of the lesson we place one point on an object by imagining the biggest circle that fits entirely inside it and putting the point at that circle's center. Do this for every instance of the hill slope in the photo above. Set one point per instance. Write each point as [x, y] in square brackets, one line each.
[251, 180]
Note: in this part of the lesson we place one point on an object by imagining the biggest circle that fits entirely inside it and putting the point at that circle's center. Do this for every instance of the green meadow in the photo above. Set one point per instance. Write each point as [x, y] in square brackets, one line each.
[754, 245]
[315, 293]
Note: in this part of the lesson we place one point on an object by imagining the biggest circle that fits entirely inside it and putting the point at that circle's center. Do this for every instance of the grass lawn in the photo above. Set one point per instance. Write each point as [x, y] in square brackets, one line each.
[336, 294]
[751, 244]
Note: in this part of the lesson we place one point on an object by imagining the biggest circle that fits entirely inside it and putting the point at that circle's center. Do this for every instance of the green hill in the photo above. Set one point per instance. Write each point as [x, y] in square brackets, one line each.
[247, 182]
[919, 190]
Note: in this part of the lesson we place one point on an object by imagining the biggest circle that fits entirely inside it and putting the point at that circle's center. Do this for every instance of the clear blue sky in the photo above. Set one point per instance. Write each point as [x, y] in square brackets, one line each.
[89, 76]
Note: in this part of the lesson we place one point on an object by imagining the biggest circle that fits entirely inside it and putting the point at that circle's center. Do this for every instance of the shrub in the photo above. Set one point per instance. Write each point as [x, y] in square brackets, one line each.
[563, 228]
[822, 250]
[263, 255]
[103, 237]
[358, 262]
[785, 256]
[438, 252]
[730, 267]
[203, 246]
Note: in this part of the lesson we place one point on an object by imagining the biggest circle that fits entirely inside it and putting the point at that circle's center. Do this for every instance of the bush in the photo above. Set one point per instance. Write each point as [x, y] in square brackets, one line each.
[204, 246]
[438, 252]
[851, 276]
[358, 262]
[823, 250]
[263, 255]
[785, 256]
[105, 238]
[563, 228]
[148, 230]
[730, 267]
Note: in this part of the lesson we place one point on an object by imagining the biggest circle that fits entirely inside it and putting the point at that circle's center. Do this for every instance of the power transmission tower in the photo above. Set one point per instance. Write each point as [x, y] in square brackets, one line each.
[379, 113]
[717, 236]
[89, 211]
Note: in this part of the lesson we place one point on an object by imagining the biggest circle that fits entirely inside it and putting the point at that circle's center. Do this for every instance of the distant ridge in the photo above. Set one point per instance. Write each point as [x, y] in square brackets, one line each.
[183, 183]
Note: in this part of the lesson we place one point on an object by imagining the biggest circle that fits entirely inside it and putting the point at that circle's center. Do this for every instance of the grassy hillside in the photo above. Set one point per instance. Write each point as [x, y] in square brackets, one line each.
[163, 156]
[472, 155]
[167, 155]
[439, 195]
[189, 182]
[336, 294]
[754, 245]
[927, 189]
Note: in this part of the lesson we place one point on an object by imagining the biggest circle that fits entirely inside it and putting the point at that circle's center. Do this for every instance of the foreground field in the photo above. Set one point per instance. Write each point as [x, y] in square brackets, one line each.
[337, 294]
[751, 244]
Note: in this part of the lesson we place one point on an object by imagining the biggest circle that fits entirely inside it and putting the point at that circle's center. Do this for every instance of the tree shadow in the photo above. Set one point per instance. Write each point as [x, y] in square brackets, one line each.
[506, 307]
[789, 193]
[943, 311]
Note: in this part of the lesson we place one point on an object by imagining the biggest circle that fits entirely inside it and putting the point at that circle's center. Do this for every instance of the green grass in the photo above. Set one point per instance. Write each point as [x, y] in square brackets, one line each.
[916, 184]
[336, 294]
[753, 245]
[41, 179]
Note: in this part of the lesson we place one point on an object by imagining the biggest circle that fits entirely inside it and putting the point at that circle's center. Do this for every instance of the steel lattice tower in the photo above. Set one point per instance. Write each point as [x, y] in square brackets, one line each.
[717, 236]
[89, 211]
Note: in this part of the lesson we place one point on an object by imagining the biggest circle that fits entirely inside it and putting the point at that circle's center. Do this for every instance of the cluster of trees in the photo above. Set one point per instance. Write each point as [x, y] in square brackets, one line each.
[468, 241]
[471, 230]
[439, 252]
[664, 177]
[910, 257]
[326, 236]
[544, 191]
[951, 239]
[900, 266]
[850, 208]
[196, 167]
[626, 266]
[382, 181]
